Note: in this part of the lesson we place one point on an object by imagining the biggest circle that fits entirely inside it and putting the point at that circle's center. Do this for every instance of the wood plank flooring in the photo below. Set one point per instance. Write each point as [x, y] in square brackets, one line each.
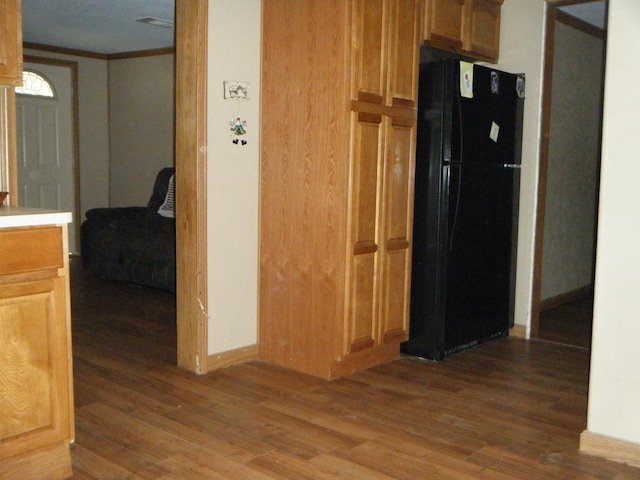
[568, 324]
[509, 409]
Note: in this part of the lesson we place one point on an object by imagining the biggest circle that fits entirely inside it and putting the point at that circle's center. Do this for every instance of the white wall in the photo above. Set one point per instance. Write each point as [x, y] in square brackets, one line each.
[521, 51]
[93, 128]
[142, 126]
[614, 391]
[232, 176]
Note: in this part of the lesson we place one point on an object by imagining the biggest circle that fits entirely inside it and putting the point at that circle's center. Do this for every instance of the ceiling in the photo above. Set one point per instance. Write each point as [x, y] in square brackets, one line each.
[592, 13]
[110, 26]
[98, 26]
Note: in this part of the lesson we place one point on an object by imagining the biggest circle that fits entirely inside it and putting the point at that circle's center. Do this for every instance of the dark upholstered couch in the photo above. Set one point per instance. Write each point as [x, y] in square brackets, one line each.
[133, 244]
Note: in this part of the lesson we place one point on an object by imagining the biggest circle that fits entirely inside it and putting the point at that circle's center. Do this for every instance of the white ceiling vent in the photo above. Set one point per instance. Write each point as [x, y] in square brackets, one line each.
[158, 22]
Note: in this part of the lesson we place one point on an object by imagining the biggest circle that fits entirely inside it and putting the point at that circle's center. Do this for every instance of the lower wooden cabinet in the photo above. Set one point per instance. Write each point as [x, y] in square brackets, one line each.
[381, 208]
[36, 391]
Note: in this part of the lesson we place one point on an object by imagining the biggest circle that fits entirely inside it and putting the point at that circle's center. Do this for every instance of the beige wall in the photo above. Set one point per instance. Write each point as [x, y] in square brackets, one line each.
[574, 151]
[521, 50]
[93, 128]
[141, 120]
[232, 176]
[614, 391]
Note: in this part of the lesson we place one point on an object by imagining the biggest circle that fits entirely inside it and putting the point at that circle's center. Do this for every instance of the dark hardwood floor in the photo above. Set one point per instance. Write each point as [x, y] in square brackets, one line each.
[509, 409]
[568, 324]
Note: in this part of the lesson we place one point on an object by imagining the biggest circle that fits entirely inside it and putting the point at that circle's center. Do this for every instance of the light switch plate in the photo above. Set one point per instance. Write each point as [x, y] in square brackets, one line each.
[236, 90]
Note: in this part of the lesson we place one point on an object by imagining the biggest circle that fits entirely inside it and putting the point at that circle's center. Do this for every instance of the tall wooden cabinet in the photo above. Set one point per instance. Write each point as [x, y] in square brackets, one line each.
[10, 42]
[36, 384]
[339, 93]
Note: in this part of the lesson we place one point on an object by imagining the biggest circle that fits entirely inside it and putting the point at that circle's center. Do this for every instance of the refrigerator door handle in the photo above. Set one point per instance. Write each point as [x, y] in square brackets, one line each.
[455, 180]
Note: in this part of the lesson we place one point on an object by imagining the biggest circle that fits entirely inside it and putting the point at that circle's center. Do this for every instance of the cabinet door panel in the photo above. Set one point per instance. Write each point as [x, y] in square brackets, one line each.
[398, 220]
[444, 27]
[484, 29]
[366, 178]
[363, 305]
[395, 295]
[369, 48]
[399, 168]
[34, 397]
[366, 175]
[404, 52]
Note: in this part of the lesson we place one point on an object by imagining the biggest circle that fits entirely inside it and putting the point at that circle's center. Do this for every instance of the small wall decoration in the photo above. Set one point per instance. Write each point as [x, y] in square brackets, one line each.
[238, 128]
[237, 91]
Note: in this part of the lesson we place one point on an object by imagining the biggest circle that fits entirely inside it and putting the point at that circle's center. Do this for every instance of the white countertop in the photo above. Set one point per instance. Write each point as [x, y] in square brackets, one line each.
[31, 217]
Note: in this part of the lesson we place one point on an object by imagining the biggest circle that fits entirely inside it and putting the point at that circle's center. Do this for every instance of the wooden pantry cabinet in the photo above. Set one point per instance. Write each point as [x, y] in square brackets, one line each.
[10, 43]
[36, 391]
[339, 94]
[467, 27]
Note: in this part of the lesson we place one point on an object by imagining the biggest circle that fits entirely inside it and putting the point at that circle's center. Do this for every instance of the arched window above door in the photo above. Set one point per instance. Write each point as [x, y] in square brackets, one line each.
[36, 85]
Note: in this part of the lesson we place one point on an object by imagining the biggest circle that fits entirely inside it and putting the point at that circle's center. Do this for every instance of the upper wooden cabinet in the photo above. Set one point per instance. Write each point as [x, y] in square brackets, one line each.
[385, 47]
[444, 24]
[483, 39]
[339, 97]
[10, 43]
[467, 27]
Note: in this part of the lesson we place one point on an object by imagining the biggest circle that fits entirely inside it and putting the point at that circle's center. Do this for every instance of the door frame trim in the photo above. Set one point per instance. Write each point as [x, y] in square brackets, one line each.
[191, 183]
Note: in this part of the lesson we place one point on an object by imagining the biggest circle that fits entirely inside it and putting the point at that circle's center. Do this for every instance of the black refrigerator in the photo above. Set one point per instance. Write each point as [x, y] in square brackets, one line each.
[466, 207]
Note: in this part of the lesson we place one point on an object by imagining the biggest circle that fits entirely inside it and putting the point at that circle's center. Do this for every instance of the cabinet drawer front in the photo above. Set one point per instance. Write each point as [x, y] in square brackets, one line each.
[30, 249]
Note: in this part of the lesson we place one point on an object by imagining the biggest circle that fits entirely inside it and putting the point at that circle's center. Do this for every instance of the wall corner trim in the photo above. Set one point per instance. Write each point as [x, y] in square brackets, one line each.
[217, 361]
[613, 449]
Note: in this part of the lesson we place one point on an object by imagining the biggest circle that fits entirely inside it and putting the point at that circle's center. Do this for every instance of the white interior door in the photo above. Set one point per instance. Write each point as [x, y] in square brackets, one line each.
[46, 145]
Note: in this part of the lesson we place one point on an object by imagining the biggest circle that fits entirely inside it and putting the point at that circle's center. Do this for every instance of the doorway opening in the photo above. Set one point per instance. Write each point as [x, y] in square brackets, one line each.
[190, 160]
[568, 175]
